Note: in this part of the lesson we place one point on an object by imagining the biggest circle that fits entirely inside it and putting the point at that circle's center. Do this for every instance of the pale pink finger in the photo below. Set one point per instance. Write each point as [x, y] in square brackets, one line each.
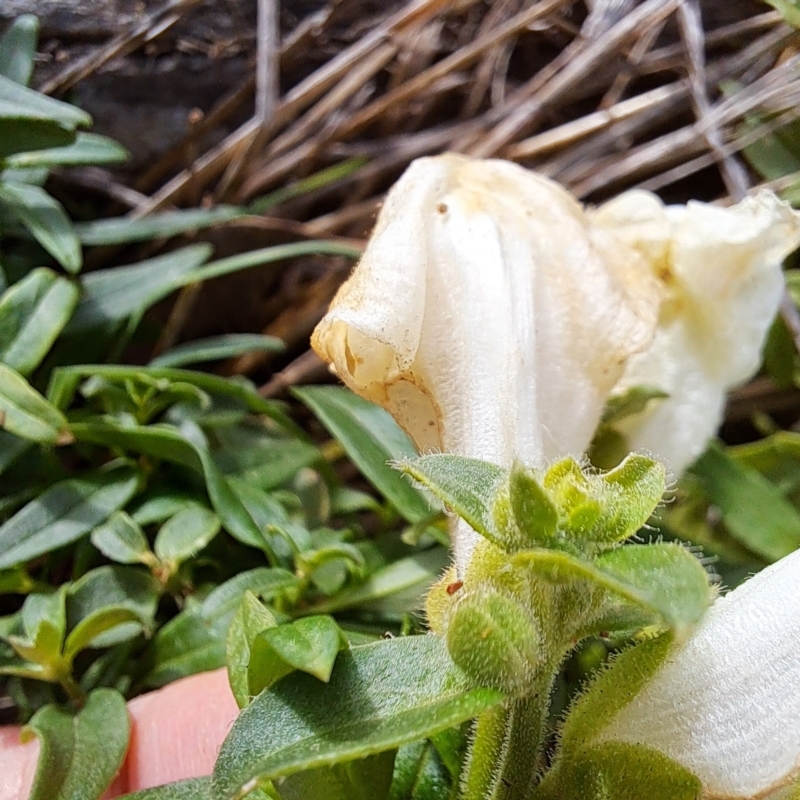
[17, 764]
[177, 731]
[18, 767]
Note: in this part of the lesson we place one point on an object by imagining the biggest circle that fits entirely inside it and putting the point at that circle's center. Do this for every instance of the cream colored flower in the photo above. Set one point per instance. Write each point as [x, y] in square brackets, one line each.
[726, 703]
[720, 269]
[489, 315]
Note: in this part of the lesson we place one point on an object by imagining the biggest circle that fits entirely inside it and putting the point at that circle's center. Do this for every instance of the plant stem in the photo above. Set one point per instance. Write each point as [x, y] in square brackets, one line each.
[503, 759]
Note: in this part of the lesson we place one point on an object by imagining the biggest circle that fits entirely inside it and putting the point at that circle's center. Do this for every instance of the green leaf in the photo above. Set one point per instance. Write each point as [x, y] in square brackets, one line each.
[22, 130]
[18, 102]
[371, 438]
[18, 47]
[664, 580]
[162, 502]
[95, 603]
[534, 513]
[11, 448]
[185, 534]
[419, 774]
[79, 755]
[122, 540]
[610, 691]
[360, 779]
[631, 401]
[754, 510]
[88, 149]
[250, 619]
[191, 789]
[164, 225]
[215, 348]
[166, 442]
[380, 697]
[64, 513]
[466, 485]
[25, 413]
[111, 296]
[310, 645]
[621, 771]
[789, 9]
[32, 314]
[194, 641]
[413, 574]
[46, 220]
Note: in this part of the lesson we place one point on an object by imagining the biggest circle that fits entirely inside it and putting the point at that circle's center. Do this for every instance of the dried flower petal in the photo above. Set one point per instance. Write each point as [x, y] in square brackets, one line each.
[488, 315]
[726, 703]
[721, 273]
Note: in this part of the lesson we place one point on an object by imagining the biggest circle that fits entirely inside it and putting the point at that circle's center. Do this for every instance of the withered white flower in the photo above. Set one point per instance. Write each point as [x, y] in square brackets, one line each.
[726, 703]
[489, 315]
[720, 269]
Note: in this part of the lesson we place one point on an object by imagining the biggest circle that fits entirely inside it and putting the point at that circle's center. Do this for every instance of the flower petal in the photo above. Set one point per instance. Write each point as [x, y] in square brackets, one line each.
[721, 273]
[726, 703]
[488, 316]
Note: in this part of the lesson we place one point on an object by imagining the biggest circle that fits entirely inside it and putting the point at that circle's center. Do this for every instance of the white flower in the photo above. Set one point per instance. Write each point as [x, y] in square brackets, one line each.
[726, 703]
[488, 315]
[721, 273]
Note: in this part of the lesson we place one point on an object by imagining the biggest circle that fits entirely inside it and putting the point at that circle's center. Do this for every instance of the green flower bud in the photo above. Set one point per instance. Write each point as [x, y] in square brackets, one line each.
[495, 640]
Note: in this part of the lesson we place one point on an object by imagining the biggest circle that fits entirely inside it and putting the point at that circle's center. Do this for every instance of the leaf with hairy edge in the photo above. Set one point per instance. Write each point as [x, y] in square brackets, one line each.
[45, 219]
[122, 540]
[664, 580]
[191, 789]
[32, 314]
[380, 696]
[371, 438]
[64, 513]
[79, 755]
[25, 413]
[465, 485]
[185, 534]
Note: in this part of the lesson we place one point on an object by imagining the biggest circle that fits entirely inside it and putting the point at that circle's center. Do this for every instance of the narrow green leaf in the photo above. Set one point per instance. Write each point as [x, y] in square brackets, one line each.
[250, 619]
[162, 502]
[32, 314]
[18, 47]
[265, 582]
[754, 510]
[310, 645]
[79, 755]
[122, 540]
[15, 98]
[191, 789]
[185, 534]
[371, 438]
[111, 296]
[46, 220]
[164, 225]
[25, 413]
[91, 629]
[466, 485]
[215, 348]
[88, 148]
[64, 513]
[23, 130]
[610, 691]
[380, 697]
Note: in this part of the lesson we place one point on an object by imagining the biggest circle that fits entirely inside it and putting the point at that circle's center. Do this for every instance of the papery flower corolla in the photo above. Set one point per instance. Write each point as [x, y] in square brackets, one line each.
[720, 269]
[726, 703]
[489, 315]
